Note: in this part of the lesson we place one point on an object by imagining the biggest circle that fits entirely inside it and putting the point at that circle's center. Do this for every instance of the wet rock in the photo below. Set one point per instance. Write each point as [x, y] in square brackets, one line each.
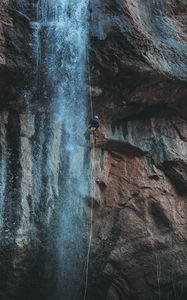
[138, 53]
[15, 50]
[139, 64]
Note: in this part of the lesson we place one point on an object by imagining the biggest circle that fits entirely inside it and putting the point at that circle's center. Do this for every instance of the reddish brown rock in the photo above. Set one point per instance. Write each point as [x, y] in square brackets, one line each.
[139, 87]
[139, 233]
[139, 78]
[138, 54]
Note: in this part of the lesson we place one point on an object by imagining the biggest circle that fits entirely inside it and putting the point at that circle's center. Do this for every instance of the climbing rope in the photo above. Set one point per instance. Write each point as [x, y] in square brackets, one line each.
[91, 220]
[90, 84]
[92, 181]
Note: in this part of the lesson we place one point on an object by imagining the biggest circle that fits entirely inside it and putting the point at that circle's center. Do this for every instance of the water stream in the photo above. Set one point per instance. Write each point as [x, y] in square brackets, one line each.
[61, 47]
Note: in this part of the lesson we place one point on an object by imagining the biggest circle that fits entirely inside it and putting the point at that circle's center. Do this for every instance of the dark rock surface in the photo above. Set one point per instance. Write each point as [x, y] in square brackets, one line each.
[139, 87]
[16, 58]
[138, 52]
[138, 64]
[24, 224]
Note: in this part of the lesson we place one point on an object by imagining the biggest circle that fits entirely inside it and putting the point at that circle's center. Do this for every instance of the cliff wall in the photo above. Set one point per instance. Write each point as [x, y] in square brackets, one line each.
[138, 66]
[139, 87]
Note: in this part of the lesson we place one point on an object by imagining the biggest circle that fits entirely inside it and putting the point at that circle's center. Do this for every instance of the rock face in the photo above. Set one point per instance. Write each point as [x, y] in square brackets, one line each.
[139, 51]
[139, 87]
[138, 65]
[15, 52]
[28, 172]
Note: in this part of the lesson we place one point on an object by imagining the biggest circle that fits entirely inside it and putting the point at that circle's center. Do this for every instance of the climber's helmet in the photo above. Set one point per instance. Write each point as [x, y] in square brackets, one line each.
[96, 117]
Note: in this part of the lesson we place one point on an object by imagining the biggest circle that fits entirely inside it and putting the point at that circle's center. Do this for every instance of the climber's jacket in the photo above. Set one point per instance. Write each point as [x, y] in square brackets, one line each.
[94, 124]
[92, 128]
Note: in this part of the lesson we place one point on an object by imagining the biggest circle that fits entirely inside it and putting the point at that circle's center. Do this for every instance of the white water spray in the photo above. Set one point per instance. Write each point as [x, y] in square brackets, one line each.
[61, 39]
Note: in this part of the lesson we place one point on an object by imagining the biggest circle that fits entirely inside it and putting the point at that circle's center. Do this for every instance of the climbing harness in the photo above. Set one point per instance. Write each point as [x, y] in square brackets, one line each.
[93, 131]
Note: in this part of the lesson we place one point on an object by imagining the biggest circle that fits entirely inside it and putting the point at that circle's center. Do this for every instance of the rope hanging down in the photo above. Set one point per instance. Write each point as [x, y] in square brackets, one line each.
[93, 156]
[90, 84]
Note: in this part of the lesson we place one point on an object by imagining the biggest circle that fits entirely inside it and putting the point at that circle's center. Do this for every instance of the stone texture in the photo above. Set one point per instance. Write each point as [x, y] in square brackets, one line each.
[138, 53]
[139, 227]
[138, 65]
[139, 74]
[15, 50]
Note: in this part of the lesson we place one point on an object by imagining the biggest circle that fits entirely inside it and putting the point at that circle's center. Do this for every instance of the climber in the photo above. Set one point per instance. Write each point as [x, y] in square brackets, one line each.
[92, 128]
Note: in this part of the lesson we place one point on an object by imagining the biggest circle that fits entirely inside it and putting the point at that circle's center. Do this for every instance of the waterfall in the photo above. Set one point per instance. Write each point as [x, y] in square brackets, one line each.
[61, 47]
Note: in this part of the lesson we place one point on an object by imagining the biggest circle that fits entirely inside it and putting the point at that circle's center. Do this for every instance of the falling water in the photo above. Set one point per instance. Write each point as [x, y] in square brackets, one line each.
[61, 47]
